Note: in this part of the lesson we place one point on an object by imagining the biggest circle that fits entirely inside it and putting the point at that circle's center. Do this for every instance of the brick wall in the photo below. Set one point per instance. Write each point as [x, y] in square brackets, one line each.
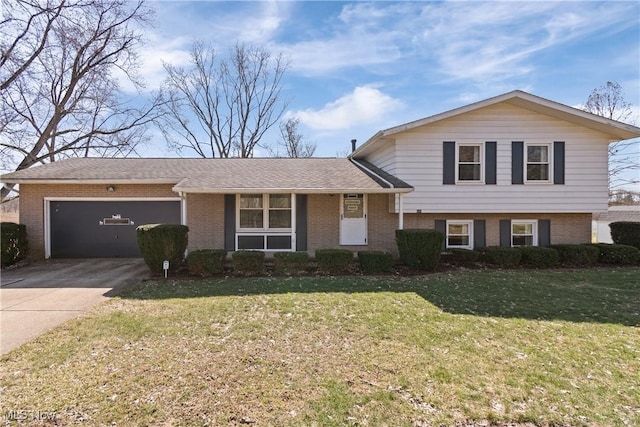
[32, 203]
[205, 218]
[324, 224]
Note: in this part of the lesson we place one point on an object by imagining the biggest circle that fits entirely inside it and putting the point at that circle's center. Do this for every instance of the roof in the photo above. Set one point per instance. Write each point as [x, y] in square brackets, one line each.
[301, 175]
[620, 213]
[616, 130]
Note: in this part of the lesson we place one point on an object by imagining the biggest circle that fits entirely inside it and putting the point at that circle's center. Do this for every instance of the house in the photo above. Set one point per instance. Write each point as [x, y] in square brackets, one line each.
[511, 170]
[601, 221]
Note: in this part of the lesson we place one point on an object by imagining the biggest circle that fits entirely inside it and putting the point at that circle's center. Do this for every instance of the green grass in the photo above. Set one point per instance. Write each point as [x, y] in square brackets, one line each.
[550, 347]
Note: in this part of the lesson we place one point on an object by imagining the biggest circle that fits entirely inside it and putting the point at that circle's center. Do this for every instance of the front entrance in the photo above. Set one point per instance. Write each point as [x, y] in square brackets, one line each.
[353, 219]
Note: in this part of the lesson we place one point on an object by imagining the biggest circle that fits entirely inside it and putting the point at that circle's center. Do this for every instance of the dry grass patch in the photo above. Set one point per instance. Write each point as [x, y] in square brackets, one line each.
[550, 347]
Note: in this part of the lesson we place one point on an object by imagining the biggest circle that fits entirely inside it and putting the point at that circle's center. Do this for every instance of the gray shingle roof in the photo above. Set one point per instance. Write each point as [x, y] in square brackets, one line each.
[211, 175]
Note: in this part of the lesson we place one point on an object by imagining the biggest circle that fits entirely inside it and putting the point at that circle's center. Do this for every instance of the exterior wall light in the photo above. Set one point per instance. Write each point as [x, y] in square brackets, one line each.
[111, 189]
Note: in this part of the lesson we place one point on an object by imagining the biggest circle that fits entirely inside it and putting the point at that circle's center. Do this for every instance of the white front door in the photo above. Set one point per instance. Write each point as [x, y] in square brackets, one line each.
[353, 219]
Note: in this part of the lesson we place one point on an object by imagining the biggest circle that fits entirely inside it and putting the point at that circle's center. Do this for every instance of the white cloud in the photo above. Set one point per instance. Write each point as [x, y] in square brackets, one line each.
[365, 104]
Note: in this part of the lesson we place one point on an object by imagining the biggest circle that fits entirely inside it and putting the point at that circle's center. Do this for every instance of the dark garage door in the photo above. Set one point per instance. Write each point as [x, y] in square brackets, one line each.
[94, 229]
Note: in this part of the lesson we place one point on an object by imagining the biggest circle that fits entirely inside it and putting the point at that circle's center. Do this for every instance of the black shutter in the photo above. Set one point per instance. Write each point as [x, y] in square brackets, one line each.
[544, 232]
[449, 162]
[505, 233]
[479, 233]
[301, 222]
[558, 162]
[490, 162]
[517, 162]
[230, 222]
[441, 226]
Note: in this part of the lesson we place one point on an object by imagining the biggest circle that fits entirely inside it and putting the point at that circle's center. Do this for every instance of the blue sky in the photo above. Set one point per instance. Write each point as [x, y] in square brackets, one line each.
[358, 67]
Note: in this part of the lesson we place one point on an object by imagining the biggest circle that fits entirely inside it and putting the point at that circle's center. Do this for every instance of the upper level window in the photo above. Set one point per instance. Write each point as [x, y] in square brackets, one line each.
[460, 234]
[264, 211]
[524, 233]
[538, 161]
[469, 157]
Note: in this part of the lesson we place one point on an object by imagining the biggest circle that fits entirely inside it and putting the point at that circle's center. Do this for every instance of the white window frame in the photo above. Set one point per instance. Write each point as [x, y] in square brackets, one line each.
[469, 223]
[265, 231]
[534, 229]
[481, 162]
[549, 162]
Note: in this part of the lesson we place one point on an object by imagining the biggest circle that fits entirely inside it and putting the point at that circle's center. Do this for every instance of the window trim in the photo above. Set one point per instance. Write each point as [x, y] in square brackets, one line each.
[533, 222]
[549, 162]
[481, 162]
[265, 232]
[469, 223]
[265, 215]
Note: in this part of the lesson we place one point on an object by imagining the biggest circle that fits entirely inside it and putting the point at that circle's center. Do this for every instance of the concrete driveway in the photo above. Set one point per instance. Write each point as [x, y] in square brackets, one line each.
[41, 296]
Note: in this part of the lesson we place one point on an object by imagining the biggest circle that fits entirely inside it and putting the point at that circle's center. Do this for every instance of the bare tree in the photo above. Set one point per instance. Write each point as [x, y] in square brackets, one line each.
[61, 96]
[222, 107]
[624, 166]
[292, 141]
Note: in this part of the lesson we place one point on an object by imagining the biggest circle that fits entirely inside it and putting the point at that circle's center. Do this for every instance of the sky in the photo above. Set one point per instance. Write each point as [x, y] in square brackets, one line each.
[359, 67]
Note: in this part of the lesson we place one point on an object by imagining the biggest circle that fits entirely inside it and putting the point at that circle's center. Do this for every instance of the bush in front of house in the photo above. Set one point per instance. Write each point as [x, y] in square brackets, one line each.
[248, 262]
[162, 242]
[420, 249]
[290, 262]
[461, 257]
[206, 262]
[538, 256]
[501, 256]
[625, 233]
[617, 254]
[334, 261]
[577, 255]
[372, 262]
[13, 243]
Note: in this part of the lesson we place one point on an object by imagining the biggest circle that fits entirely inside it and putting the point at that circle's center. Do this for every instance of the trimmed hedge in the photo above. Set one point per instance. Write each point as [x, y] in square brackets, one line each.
[373, 262]
[160, 242]
[334, 261]
[617, 254]
[13, 243]
[461, 257]
[625, 233]
[577, 255]
[291, 262]
[420, 248]
[206, 262]
[248, 262]
[501, 256]
[538, 256]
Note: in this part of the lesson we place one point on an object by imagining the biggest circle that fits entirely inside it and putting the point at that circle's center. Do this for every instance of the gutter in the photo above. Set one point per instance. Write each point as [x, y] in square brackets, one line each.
[355, 162]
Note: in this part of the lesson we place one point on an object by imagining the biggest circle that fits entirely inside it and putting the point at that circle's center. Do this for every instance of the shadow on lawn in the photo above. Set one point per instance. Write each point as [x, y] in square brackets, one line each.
[590, 295]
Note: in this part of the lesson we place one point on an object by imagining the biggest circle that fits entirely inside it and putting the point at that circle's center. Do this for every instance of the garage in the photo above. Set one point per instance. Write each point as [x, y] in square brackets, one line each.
[104, 229]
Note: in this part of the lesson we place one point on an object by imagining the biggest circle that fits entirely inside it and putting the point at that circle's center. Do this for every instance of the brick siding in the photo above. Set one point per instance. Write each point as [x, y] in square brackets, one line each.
[205, 217]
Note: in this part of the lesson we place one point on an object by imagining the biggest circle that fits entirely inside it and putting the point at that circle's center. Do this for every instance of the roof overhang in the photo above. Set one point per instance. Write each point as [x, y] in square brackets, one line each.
[179, 189]
[616, 130]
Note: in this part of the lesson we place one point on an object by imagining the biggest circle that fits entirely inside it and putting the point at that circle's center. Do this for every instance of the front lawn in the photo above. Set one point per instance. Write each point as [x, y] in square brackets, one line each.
[549, 347]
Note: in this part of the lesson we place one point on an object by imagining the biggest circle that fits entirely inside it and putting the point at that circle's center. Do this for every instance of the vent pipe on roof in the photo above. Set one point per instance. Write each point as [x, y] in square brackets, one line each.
[353, 145]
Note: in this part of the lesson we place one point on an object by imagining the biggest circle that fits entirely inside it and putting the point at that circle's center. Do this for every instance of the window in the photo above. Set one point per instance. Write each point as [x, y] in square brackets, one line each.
[279, 211]
[251, 211]
[469, 162]
[265, 211]
[264, 222]
[524, 233]
[460, 234]
[538, 162]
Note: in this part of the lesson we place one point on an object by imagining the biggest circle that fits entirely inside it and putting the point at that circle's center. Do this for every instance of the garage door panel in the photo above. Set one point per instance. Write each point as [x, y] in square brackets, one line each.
[93, 229]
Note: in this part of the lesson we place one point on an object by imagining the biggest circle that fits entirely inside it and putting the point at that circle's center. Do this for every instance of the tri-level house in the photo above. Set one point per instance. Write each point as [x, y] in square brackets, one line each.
[511, 170]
